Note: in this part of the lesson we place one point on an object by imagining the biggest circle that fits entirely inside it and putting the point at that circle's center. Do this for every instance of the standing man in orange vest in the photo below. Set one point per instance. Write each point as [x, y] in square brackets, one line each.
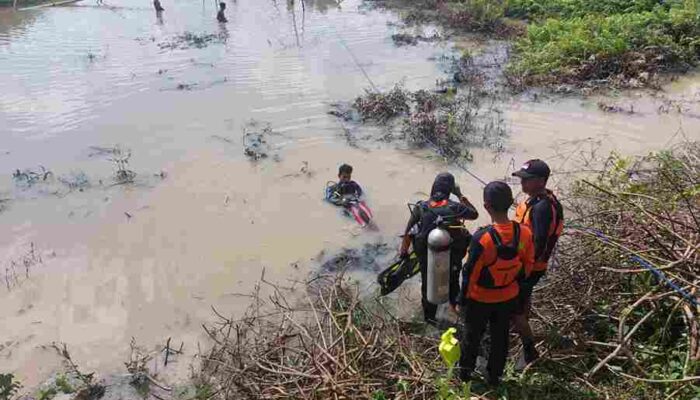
[501, 255]
[543, 213]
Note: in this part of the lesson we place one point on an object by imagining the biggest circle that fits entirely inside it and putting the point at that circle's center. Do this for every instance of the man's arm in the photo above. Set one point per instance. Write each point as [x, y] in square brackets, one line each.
[464, 211]
[540, 220]
[471, 212]
[475, 251]
[406, 241]
[358, 189]
[332, 193]
[528, 252]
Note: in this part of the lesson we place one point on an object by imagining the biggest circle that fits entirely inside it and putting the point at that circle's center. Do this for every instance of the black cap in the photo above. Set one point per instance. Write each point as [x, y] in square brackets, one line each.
[499, 195]
[533, 169]
[443, 185]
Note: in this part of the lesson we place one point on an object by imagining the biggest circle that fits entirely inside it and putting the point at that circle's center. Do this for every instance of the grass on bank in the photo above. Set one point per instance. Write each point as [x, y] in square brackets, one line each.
[610, 42]
[623, 43]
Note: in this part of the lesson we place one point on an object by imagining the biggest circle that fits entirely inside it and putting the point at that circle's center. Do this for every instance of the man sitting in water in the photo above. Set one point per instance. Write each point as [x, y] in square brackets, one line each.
[220, 15]
[345, 186]
[348, 194]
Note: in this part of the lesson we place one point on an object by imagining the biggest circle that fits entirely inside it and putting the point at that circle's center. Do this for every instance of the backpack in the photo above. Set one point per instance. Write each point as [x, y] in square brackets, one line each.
[507, 267]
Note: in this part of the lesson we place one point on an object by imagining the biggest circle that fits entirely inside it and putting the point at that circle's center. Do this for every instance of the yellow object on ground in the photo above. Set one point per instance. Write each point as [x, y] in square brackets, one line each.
[449, 347]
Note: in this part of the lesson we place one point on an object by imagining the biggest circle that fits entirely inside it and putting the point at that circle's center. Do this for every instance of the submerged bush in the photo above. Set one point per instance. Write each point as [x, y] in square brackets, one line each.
[381, 107]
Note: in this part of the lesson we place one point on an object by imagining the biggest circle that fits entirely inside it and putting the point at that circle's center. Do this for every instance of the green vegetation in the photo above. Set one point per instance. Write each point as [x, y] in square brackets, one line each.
[203, 391]
[626, 281]
[8, 386]
[47, 393]
[63, 385]
[620, 42]
[576, 8]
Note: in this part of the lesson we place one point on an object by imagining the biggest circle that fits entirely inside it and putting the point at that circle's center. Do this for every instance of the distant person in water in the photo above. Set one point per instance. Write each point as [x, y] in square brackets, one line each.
[220, 15]
[157, 6]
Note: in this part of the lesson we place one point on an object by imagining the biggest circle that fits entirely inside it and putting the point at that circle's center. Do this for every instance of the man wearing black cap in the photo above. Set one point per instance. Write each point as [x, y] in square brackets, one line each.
[501, 255]
[424, 219]
[543, 213]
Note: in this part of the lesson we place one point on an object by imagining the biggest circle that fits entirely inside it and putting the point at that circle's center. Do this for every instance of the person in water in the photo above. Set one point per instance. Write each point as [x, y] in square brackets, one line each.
[424, 218]
[345, 186]
[157, 6]
[220, 15]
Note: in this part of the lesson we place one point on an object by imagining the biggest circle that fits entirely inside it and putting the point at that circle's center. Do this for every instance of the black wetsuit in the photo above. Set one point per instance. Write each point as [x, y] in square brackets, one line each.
[424, 215]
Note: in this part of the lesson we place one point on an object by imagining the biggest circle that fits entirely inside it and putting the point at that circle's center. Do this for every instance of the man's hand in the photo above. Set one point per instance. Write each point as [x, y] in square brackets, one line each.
[405, 245]
[457, 191]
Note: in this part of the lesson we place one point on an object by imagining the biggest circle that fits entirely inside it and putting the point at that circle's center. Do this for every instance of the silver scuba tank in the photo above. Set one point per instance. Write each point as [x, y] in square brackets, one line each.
[438, 266]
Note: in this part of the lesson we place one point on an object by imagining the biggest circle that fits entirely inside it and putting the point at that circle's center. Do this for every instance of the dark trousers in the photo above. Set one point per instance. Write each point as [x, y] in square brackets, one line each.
[458, 249]
[476, 316]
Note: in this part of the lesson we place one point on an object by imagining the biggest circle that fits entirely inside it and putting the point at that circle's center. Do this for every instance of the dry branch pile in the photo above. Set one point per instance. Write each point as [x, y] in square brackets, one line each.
[623, 300]
[330, 345]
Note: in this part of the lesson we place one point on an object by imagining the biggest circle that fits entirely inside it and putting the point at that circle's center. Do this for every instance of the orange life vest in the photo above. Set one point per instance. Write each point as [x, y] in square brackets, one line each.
[507, 267]
[494, 276]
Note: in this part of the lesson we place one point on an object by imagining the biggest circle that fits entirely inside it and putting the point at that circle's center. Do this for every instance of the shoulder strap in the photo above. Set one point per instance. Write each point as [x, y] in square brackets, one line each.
[529, 203]
[494, 236]
[556, 206]
[516, 235]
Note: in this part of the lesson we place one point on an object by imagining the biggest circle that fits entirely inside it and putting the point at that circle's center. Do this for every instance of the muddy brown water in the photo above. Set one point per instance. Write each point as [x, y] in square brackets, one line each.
[148, 260]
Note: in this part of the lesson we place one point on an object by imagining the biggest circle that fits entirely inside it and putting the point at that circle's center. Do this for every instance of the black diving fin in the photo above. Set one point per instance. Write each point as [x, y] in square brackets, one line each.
[392, 277]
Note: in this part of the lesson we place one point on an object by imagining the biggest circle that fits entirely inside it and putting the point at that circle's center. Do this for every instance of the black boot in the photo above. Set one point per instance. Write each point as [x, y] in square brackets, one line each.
[530, 352]
[465, 374]
[493, 381]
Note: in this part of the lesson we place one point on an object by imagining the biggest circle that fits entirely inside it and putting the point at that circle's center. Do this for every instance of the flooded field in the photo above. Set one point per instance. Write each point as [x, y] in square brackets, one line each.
[94, 264]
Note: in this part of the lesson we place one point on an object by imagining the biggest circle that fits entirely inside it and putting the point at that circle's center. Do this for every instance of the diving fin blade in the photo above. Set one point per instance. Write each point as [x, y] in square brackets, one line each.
[392, 277]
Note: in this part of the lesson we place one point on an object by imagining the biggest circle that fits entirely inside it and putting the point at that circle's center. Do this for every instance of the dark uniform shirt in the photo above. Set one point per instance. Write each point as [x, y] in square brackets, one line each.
[545, 216]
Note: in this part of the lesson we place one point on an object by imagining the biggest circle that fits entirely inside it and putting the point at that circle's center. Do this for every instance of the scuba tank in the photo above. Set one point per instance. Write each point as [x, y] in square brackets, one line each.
[438, 265]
